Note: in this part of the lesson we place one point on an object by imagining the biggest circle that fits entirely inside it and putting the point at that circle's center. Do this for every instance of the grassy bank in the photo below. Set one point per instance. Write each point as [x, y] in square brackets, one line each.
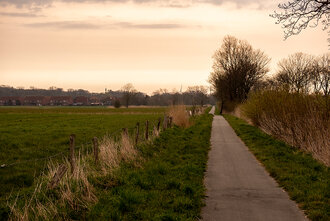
[168, 185]
[300, 120]
[306, 180]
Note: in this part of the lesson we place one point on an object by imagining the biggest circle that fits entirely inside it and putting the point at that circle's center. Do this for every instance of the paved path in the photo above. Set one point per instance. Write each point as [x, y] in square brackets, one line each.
[238, 187]
[212, 110]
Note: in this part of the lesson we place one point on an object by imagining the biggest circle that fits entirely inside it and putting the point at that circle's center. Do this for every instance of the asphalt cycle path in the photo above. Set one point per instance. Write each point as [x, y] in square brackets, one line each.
[237, 186]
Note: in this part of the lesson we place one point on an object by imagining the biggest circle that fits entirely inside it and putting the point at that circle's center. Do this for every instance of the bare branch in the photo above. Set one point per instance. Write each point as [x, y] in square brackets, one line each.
[299, 14]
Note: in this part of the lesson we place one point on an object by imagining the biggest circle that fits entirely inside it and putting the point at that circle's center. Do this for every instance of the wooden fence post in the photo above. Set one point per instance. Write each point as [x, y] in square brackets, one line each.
[137, 133]
[57, 176]
[165, 122]
[71, 156]
[96, 149]
[147, 130]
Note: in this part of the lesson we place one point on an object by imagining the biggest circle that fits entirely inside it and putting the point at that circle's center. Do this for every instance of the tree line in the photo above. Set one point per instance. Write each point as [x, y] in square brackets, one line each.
[127, 95]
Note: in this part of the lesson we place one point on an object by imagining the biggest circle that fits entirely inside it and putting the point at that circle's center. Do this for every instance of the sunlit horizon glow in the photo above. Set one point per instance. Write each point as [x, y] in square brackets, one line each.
[95, 44]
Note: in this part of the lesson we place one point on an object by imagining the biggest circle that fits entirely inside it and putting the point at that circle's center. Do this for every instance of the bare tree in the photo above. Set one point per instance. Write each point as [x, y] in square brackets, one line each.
[321, 74]
[237, 67]
[128, 93]
[295, 72]
[297, 15]
[199, 94]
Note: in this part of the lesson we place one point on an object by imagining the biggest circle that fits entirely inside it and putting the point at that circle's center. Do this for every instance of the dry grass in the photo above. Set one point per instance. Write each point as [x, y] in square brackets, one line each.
[33, 209]
[74, 191]
[112, 154]
[299, 120]
[155, 132]
[179, 115]
[127, 151]
[109, 155]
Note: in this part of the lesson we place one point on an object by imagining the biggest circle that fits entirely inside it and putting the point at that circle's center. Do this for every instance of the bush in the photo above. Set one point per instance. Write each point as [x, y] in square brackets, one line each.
[298, 119]
[117, 103]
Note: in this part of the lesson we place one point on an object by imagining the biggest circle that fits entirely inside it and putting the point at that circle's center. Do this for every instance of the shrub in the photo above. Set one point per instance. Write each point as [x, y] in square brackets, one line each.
[117, 103]
[298, 119]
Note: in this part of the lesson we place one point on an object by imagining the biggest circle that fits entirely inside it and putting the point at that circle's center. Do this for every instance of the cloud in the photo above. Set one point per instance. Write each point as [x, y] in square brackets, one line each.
[87, 25]
[17, 14]
[64, 25]
[164, 3]
[243, 3]
[149, 26]
[21, 3]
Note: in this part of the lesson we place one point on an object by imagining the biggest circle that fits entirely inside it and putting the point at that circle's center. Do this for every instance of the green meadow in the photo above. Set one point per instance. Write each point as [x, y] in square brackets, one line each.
[29, 135]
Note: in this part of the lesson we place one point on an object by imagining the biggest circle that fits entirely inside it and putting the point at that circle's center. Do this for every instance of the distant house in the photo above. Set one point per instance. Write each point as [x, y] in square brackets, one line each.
[11, 101]
[107, 100]
[95, 101]
[80, 101]
[36, 100]
[60, 100]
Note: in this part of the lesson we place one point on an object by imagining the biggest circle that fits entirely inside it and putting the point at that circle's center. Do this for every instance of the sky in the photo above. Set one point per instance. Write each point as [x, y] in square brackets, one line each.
[98, 44]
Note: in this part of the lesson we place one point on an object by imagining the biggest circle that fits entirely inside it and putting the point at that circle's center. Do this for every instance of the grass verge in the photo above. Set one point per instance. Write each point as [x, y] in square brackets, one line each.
[217, 110]
[300, 120]
[168, 184]
[306, 180]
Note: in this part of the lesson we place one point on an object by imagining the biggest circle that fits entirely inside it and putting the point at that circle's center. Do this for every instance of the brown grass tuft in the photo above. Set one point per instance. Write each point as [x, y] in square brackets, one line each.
[127, 151]
[179, 115]
[109, 155]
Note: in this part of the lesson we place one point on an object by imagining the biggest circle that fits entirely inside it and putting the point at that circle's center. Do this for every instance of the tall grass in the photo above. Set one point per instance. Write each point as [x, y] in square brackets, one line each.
[74, 193]
[179, 115]
[298, 119]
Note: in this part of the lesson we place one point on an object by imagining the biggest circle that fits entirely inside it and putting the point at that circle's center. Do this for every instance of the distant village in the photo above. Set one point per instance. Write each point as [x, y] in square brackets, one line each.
[10, 96]
[55, 101]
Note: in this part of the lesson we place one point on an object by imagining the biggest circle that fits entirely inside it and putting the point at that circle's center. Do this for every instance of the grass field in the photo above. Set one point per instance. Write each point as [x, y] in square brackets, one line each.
[83, 110]
[306, 180]
[32, 133]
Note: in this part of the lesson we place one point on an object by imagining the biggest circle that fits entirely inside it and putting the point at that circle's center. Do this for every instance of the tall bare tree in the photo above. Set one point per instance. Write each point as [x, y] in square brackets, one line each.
[297, 15]
[128, 93]
[295, 72]
[237, 67]
[321, 74]
[199, 94]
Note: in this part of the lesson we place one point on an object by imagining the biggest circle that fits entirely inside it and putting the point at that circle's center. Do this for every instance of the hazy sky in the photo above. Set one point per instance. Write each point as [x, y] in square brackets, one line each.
[97, 44]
